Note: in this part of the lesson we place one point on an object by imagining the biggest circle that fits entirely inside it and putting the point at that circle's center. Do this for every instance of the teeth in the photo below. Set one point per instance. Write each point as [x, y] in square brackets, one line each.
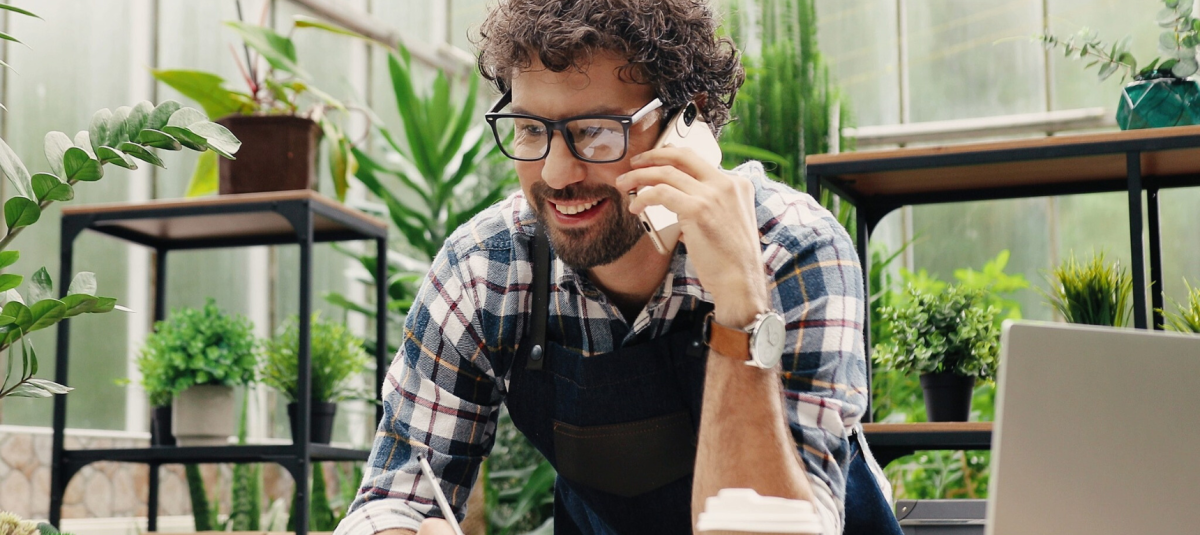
[572, 209]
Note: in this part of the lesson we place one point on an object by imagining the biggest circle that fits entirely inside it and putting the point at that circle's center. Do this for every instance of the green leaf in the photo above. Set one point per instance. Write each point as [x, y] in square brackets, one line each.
[302, 21]
[20, 212]
[18, 310]
[206, 177]
[141, 153]
[45, 313]
[83, 140]
[8, 37]
[158, 139]
[48, 187]
[42, 287]
[186, 117]
[115, 157]
[161, 115]
[1107, 70]
[79, 165]
[412, 116]
[1186, 67]
[28, 390]
[138, 116]
[278, 50]
[55, 146]
[208, 91]
[217, 137]
[79, 304]
[116, 127]
[50, 386]
[8, 258]
[104, 304]
[9, 281]
[98, 131]
[83, 283]
[15, 9]
[186, 138]
[15, 170]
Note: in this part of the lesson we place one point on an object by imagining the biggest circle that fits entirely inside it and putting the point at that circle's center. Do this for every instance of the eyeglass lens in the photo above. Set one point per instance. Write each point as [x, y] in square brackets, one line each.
[594, 140]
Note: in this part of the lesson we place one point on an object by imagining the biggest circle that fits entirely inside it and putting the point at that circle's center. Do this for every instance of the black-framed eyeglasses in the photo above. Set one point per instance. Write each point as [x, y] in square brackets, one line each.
[591, 138]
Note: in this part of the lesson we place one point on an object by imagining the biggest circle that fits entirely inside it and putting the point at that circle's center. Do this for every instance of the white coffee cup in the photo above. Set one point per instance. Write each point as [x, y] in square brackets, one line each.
[745, 511]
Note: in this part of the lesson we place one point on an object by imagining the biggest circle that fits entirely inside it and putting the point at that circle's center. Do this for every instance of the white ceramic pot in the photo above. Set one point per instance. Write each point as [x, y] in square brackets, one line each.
[203, 416]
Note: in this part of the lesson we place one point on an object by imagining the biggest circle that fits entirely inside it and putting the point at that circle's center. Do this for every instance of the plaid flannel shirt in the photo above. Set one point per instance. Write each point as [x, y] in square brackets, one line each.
[444, 388]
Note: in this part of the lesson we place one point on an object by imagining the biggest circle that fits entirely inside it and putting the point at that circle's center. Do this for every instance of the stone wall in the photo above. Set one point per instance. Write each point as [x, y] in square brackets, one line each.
[106, 489]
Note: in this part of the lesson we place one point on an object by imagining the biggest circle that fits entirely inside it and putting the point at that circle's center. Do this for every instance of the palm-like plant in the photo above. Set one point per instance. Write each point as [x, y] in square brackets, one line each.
[1096, 293]
[1187, 317]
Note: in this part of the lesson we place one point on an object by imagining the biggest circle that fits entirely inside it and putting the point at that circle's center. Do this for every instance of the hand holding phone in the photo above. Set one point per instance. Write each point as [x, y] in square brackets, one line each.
[687, 128]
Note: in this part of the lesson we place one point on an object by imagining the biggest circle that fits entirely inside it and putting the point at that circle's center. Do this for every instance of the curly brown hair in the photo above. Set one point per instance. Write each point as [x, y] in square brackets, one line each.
[669, 44]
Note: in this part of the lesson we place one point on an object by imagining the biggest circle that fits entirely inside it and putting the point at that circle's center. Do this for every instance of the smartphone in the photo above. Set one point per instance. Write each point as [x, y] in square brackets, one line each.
[687, 128]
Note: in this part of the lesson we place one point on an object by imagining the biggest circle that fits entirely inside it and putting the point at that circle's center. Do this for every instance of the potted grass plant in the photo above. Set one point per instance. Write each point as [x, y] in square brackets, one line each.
[336, 355]
[1095, 293]
[950, 339]
[198, 356]
[1186, 318]
[280, 116]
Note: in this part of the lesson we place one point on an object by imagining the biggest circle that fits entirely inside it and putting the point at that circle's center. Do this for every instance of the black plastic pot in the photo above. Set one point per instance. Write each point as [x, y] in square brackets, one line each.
[947, 396]
[160, 426]
[321, 429]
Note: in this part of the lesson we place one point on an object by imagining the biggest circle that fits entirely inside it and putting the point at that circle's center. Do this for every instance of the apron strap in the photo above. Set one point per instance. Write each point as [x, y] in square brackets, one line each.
[541, 299]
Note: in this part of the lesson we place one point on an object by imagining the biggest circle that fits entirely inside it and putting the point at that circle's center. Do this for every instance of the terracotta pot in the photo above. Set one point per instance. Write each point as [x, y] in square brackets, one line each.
[279, 153]
[203, 416]
[321, 428]
[947, 396]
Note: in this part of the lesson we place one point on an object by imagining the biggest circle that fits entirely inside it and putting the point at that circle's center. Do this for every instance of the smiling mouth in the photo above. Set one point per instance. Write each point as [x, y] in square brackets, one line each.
[574, 207]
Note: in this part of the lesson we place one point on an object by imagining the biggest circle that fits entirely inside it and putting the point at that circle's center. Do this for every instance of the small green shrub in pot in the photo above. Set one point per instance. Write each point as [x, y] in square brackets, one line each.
[336, 356]
[950, 339]
[198, 356]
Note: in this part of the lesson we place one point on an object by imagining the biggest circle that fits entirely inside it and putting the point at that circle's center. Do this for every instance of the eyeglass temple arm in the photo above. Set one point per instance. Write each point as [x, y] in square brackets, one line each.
[642, 113]
[505, 99]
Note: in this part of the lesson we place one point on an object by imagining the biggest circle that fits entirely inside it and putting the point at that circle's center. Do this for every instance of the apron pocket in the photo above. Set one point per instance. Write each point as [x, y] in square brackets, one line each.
[627, 459]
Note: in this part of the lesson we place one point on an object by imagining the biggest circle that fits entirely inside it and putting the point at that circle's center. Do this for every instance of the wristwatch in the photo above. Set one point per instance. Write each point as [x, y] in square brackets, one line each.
[759, 344]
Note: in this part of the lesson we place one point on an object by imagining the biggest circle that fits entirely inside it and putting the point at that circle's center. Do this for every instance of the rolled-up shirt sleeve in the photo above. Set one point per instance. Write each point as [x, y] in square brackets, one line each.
[819, 287]
[440, 399]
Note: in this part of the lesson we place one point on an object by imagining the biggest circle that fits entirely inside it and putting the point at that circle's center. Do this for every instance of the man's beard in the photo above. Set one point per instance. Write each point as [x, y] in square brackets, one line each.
[598, 244]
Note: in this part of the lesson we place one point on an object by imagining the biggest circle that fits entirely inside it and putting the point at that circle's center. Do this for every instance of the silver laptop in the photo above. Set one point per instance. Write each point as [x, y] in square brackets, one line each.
[1097, 432]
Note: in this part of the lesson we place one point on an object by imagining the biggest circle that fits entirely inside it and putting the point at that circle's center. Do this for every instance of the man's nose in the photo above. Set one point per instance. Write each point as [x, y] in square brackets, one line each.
[562, 168]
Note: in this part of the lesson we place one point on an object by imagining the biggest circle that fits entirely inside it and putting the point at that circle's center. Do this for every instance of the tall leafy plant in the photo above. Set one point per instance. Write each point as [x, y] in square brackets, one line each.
[784, 109]
[119, 137]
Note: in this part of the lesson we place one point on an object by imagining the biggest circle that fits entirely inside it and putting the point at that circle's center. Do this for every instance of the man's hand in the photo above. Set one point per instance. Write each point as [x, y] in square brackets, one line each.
[716, 220]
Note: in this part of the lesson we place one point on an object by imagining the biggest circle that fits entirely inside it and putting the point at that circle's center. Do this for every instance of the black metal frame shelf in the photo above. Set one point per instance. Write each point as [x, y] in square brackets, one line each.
[1137, 161]
[299, 217]
[892, 441]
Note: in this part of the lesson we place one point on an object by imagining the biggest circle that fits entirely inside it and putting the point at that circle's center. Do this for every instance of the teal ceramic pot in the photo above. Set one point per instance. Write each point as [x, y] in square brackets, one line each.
[1159, 103]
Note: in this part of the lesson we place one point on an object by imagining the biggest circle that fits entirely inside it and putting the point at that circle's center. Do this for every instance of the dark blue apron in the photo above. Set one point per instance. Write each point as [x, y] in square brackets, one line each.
[620, 428]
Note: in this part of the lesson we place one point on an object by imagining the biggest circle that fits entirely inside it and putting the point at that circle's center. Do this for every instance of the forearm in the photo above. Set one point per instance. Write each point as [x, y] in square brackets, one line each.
[744, 439]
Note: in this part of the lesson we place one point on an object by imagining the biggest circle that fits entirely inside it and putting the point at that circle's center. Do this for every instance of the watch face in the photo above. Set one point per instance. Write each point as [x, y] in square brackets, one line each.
[767, 345]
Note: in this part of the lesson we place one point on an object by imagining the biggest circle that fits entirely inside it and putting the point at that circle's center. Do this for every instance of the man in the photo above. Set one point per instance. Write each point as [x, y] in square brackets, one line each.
[609, 371]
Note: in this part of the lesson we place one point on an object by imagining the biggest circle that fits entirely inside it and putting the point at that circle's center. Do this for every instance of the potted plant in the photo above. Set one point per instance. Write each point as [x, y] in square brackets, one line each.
[280, 117]
[1160, 95]
[950, 339]
[336, 355]
[198, 356]
[1096, 293]
[1186, 319]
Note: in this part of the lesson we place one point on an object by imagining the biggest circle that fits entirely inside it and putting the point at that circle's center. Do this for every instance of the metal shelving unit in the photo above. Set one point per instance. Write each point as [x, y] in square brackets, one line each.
[300, 217]
[1133, 161]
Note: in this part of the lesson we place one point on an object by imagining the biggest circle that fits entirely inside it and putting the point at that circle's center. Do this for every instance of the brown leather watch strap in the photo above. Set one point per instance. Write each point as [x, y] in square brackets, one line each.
[733, 343]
